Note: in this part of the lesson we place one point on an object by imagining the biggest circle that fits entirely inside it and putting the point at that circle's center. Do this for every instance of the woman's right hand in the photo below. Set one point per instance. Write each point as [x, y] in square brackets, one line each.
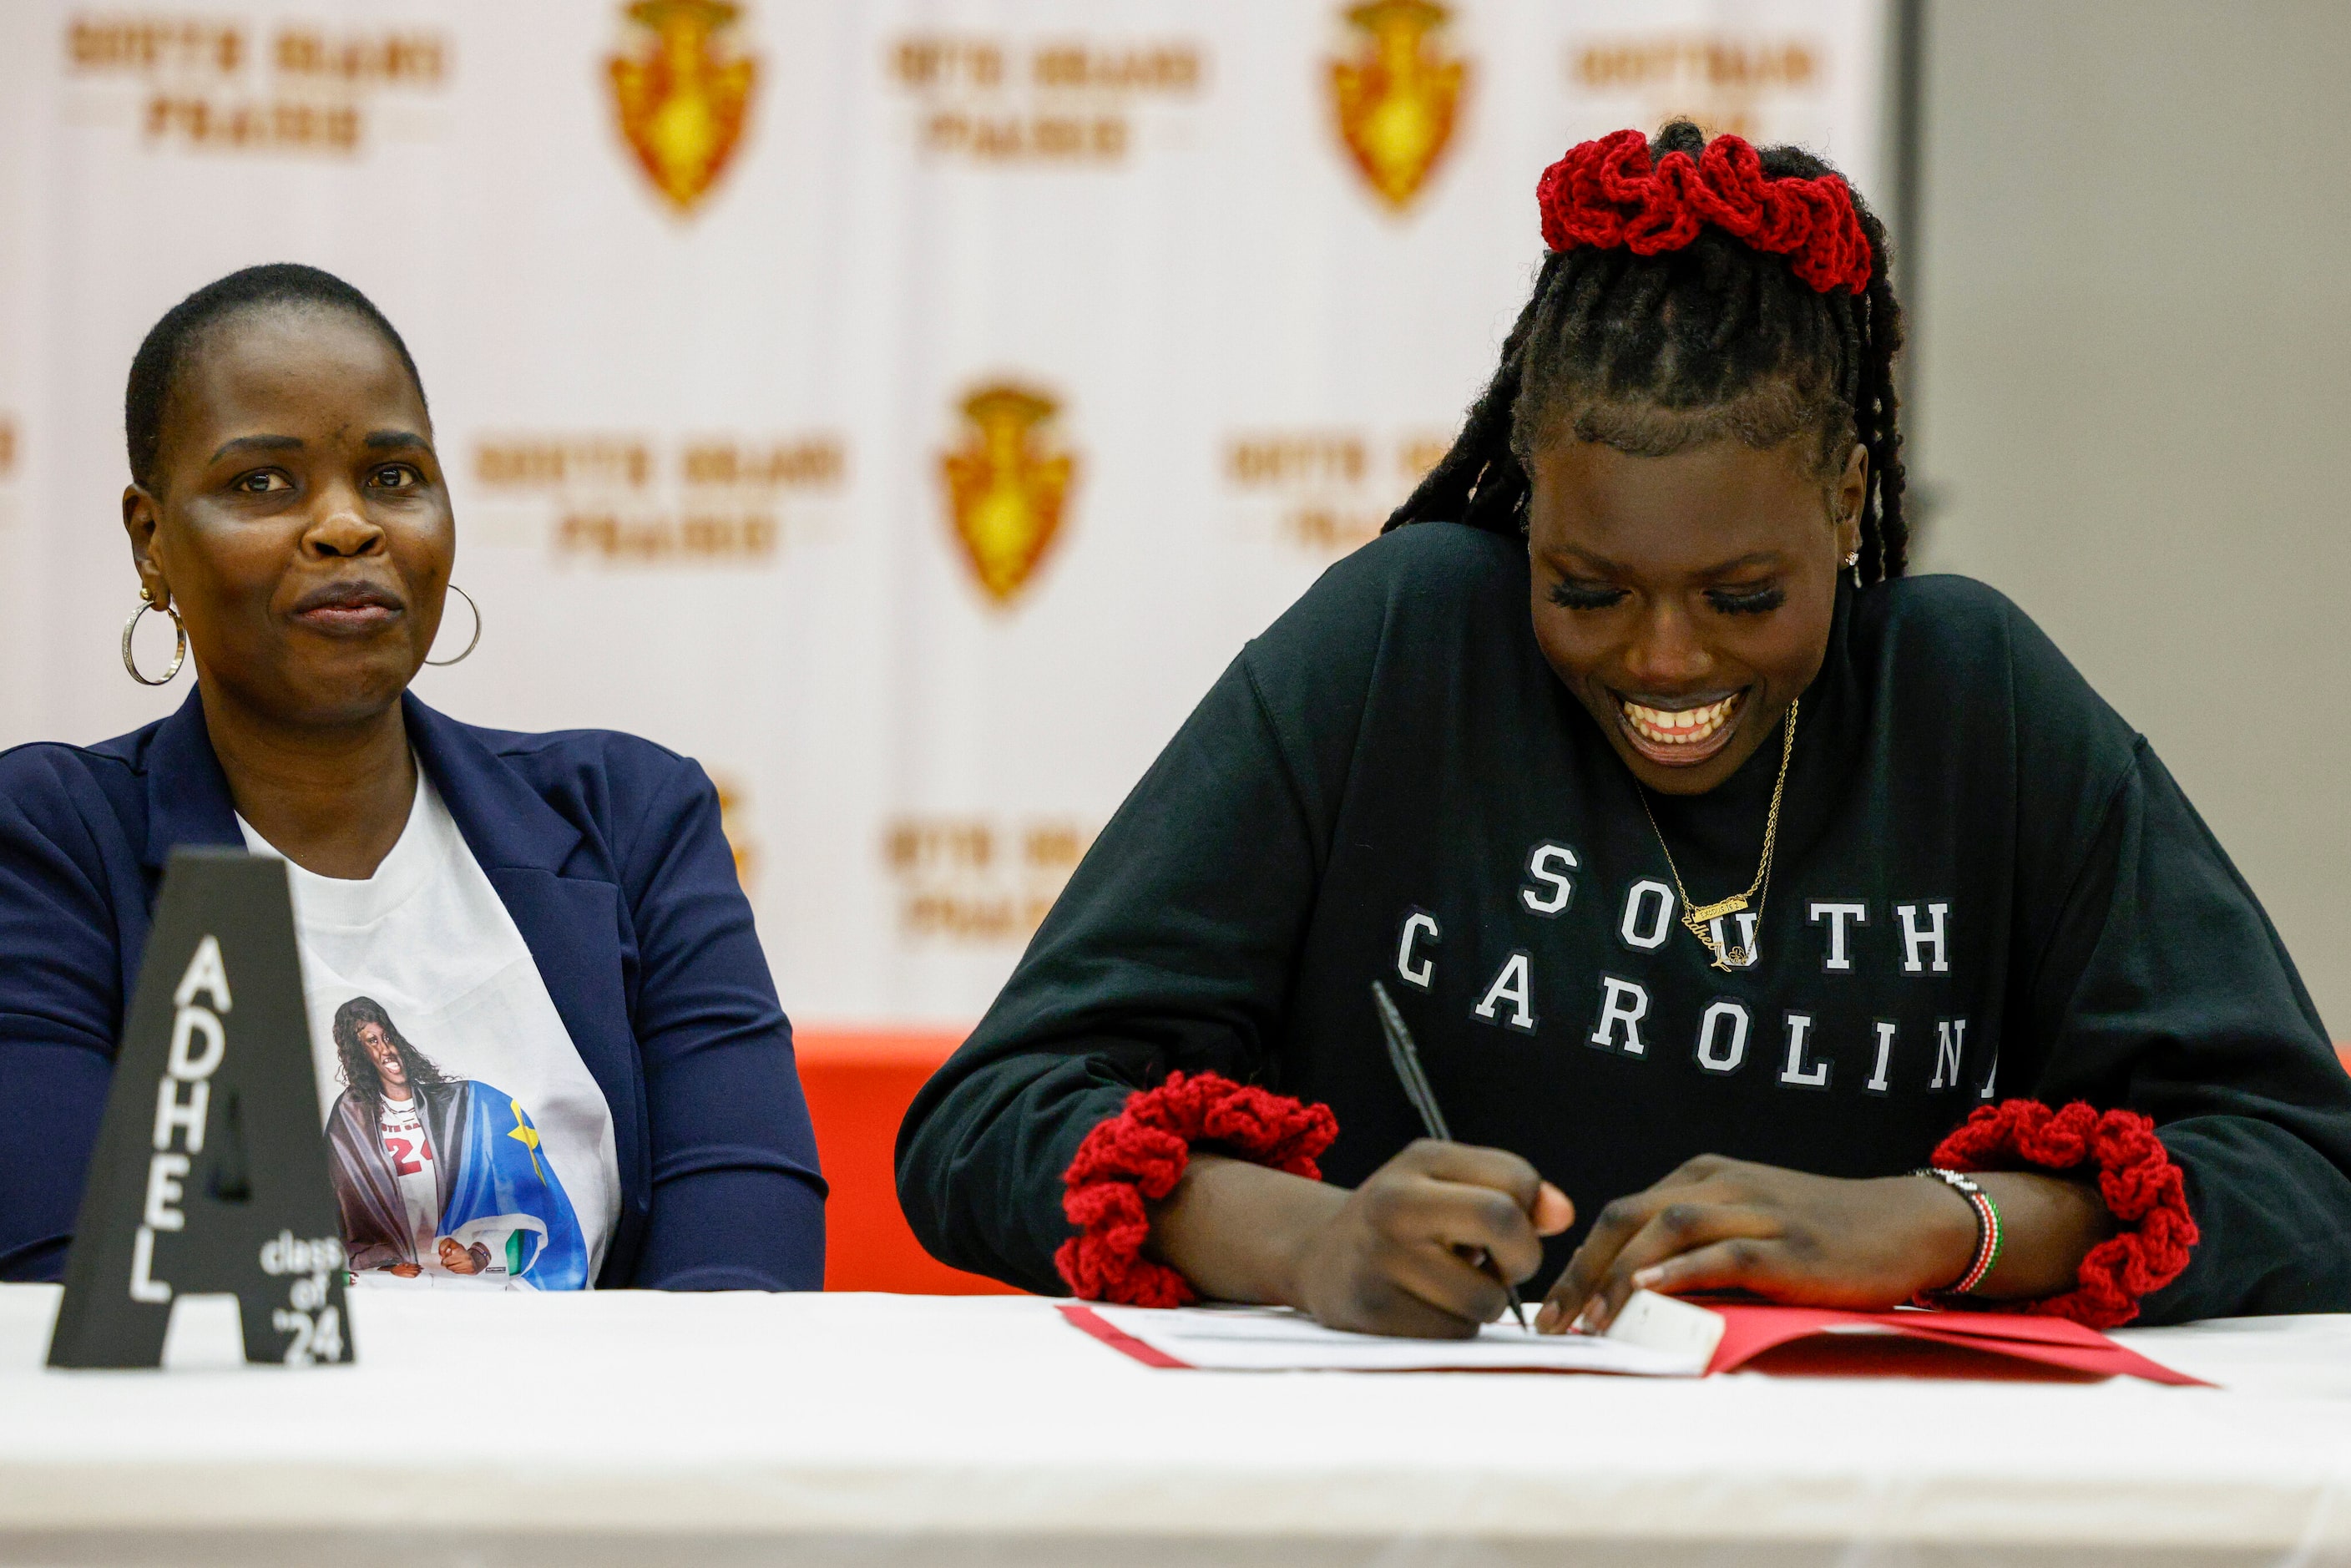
[1405, 1253]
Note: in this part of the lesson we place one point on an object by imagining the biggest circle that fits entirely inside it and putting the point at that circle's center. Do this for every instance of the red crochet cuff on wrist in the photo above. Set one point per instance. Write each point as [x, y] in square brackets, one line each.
[2142, 1188]
[1135, 1158]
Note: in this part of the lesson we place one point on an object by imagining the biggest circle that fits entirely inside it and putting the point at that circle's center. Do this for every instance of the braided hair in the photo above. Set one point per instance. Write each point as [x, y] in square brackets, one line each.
[165, 349]
[1652, 354]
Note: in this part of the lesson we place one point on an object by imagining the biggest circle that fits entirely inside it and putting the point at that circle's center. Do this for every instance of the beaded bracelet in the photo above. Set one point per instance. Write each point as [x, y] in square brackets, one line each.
[1987, 1226]
[2137, 1178]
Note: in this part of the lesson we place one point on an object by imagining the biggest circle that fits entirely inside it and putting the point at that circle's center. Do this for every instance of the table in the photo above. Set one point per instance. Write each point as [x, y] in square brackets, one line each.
[870, 1429]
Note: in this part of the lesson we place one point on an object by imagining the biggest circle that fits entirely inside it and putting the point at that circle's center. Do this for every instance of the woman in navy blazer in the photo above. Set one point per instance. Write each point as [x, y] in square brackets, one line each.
[605, 850]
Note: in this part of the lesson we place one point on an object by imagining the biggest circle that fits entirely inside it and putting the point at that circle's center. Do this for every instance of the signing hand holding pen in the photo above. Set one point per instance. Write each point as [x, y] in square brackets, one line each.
[1432, 1245]
[1402, 1253]
[1404, 1055]
[1391, 1256]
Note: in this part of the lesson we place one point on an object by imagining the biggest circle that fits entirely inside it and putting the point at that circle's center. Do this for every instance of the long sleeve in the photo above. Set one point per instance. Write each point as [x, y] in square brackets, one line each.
[737, 1201]
[1392, 783]
[2164, 988]
[60, 1011]
[1175, 945]
[1171, 949]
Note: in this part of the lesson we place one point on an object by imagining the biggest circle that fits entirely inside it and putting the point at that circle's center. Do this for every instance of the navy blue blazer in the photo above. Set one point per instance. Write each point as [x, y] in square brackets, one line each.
[607, 851]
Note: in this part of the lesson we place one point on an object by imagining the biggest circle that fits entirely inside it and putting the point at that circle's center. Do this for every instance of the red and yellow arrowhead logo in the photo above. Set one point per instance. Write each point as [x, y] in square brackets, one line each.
[682, 98]
[1007, 484]
[1398, 99]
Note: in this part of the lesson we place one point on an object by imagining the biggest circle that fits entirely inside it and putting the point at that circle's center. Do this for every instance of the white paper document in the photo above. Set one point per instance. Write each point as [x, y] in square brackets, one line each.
[1655, 1336]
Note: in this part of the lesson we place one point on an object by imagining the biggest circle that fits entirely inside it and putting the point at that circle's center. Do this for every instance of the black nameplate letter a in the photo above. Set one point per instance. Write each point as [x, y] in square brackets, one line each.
[210, 1177]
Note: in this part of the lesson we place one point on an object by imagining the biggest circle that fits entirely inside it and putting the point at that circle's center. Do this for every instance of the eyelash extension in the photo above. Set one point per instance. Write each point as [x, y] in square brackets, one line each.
[1585, 596]
[1753, 602]
[1592, 596]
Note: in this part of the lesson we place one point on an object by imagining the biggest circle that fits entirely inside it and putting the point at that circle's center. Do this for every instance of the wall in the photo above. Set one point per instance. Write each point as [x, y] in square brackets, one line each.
[2132, 308]
[906, 409]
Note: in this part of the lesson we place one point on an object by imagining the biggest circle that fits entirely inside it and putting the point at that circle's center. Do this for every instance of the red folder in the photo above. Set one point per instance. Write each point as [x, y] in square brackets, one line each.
[1825, 1342]
[1830, 1342]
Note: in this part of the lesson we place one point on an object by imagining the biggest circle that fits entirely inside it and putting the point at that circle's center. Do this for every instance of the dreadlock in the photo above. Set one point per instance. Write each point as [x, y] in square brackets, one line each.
[1651, 355]
[165, 349]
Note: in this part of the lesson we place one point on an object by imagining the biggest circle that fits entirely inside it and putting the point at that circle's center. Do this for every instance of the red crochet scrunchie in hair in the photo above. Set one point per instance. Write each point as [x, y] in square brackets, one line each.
[1135, 1158]
[2142, 1187]
[1606, 194]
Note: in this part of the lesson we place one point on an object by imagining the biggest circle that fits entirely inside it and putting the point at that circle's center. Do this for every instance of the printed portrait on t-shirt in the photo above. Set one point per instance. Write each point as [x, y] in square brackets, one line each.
[439, 1177]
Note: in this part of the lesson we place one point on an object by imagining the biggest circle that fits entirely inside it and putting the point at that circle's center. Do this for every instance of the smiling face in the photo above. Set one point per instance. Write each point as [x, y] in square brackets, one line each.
[1686, 599]
[298, 521]
[386, 1057]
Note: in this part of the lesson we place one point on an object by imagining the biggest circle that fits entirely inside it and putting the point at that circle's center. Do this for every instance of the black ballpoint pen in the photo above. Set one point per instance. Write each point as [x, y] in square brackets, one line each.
[1406, 1058]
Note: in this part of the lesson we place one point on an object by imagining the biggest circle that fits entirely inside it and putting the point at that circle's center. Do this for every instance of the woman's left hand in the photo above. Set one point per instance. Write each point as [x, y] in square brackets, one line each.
[1723, 1224]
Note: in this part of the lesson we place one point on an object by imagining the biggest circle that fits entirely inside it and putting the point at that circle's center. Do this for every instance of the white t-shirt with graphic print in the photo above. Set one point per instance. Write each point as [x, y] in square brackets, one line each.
[409, 1149]
[429, 943]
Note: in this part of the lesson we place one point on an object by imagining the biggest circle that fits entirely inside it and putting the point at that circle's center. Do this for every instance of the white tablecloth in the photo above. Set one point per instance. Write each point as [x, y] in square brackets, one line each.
[636, 1428]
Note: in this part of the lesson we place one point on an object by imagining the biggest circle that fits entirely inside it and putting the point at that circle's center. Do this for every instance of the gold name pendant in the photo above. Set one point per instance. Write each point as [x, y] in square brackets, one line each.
[1698, 918]
[1700, 921]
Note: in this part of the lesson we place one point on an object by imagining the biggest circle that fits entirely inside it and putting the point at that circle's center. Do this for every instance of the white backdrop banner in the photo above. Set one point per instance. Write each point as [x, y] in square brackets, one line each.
[905, 408]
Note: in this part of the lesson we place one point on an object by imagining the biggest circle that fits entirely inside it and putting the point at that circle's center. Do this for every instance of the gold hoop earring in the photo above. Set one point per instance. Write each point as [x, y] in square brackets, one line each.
[179, 654]
[444, 664]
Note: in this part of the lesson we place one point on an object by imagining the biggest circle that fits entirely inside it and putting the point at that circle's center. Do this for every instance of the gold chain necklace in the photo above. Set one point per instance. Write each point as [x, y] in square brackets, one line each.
[1699, 917]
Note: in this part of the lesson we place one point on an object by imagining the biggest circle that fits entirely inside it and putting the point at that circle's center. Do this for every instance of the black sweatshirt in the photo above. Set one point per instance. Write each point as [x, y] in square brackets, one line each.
[1987, 886]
